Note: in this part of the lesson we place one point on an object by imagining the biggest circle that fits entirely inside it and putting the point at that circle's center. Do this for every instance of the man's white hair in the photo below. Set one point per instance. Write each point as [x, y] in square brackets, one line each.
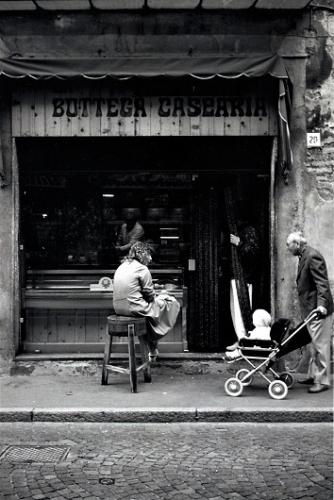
[297, 237]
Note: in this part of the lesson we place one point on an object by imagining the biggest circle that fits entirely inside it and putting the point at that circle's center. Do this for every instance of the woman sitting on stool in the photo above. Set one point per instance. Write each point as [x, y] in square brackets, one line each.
[134, 295]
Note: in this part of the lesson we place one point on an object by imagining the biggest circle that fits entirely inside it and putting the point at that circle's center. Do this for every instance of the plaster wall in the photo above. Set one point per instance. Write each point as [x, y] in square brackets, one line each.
[290, 198]
[307, 204]
[319, 163]
[8, 269]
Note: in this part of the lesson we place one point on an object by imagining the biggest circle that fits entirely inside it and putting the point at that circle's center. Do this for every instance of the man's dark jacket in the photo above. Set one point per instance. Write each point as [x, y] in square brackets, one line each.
[312, 282]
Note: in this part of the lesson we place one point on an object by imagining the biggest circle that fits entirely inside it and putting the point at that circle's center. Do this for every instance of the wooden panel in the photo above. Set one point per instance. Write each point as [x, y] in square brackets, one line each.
[16, 116]
[64, 326]
[39, 325]
[98, 112]
[91, 325]
[80, 330]
[260, 126]
[102, 323]
[77, 327]
[93, 347]
[52, 333]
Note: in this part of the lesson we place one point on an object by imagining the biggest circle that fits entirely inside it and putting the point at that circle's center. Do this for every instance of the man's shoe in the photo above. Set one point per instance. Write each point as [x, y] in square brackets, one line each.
[318, 388]
[306, 381]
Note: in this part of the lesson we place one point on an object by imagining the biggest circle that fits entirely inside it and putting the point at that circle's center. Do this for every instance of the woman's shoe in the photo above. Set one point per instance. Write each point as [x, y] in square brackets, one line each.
[232, 355]
[232, 347]
[153, 354]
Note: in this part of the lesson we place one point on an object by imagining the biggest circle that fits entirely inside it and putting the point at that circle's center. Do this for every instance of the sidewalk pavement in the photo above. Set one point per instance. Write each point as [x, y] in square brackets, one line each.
[179, 392]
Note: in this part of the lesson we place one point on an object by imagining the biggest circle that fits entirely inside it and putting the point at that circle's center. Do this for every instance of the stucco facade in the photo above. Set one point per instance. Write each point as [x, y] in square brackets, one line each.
[305, 41]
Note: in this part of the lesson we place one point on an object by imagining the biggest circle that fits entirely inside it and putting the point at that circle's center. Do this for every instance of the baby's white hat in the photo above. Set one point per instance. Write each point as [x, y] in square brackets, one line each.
[261, 318]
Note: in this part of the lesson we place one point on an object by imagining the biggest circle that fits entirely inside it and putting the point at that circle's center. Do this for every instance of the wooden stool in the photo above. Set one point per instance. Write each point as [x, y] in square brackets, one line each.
[127, 326]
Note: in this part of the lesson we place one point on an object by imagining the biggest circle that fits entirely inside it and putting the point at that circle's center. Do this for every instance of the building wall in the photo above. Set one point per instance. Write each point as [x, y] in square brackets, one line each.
[306, 202]
[8, 267]
[319, 163]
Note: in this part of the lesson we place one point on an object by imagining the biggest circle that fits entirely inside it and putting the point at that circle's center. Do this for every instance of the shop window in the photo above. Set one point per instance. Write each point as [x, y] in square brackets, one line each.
[71, 220]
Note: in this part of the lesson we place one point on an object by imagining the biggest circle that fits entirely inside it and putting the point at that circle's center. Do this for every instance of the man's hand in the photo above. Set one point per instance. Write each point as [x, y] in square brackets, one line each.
[235, 240]
[321, 310]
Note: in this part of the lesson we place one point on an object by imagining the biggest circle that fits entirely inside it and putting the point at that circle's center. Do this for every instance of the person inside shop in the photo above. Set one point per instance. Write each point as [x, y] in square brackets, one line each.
[130, 232]
[247, 247]
[134, 295]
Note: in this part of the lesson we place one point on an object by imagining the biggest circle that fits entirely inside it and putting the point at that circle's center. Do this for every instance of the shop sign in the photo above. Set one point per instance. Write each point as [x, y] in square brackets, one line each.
[100, 113]
[165, 106]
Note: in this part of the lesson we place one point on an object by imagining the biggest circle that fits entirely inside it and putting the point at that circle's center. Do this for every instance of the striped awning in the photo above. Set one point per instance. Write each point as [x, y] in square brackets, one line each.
[80, 5]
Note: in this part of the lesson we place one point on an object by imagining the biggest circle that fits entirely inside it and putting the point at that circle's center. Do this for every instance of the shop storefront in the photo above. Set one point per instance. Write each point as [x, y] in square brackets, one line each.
[193, 145]
[90, 153]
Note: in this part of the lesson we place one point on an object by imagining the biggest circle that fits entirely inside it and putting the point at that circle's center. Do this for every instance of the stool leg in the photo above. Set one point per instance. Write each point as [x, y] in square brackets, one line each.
[106, 358]
[145, 358]
[132, 358]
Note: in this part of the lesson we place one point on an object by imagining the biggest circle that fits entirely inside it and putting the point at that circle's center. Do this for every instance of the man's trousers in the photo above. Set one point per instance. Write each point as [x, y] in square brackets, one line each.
[320, 349]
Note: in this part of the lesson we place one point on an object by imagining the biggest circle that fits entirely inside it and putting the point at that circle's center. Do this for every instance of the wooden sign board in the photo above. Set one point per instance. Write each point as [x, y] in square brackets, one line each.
[99, 113]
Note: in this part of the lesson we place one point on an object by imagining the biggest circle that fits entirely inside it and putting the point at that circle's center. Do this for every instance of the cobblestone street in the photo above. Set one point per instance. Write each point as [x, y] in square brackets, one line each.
[170, 461]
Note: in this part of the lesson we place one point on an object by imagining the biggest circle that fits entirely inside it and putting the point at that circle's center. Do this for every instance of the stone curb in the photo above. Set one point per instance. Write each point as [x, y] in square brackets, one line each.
[268, 416]
[16, 414]
[162, 415]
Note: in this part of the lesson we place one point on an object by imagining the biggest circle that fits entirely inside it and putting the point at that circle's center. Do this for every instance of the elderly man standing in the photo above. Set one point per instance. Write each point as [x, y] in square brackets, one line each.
[314, 294]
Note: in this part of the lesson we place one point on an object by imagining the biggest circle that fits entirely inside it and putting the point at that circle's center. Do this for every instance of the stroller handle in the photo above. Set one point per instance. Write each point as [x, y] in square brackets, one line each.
[313, 315]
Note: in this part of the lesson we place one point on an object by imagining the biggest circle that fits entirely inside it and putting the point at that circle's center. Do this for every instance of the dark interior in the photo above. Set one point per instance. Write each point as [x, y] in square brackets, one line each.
[75, 191]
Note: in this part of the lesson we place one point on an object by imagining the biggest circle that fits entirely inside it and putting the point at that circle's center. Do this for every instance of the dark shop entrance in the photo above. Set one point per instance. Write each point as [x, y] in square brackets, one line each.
[186, 192]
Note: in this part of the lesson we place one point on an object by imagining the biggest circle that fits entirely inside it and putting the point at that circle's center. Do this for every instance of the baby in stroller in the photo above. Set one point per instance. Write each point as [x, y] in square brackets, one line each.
[261, 332]
[262, 348]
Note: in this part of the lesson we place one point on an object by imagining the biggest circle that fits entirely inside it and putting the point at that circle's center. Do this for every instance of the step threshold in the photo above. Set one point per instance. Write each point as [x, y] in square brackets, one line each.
[186, 356]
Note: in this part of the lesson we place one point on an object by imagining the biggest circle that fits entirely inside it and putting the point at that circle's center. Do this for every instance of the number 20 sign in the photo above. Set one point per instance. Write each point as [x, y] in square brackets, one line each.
[313, 140]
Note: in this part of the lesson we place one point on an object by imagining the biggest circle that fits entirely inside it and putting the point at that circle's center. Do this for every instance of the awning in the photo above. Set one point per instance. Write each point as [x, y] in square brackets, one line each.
[224, 66]
[80, 5]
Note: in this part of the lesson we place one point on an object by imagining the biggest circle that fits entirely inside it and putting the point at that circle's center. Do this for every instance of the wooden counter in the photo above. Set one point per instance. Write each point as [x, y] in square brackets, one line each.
[68, 320]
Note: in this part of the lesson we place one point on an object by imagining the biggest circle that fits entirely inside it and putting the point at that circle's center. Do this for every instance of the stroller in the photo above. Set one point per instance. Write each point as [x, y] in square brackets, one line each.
[261, 354]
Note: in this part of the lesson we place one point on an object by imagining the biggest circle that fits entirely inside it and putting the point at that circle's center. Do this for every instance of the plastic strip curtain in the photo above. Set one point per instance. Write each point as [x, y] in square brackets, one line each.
[237, 269]
[284, 109]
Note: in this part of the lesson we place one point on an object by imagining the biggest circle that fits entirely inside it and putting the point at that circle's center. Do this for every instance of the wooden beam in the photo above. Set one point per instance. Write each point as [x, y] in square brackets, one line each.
[227, 4]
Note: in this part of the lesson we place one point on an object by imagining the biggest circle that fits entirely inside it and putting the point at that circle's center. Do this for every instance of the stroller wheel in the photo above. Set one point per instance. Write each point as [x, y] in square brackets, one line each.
[233, 387]
[242, 374]
[287, 378]
[277, 389]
